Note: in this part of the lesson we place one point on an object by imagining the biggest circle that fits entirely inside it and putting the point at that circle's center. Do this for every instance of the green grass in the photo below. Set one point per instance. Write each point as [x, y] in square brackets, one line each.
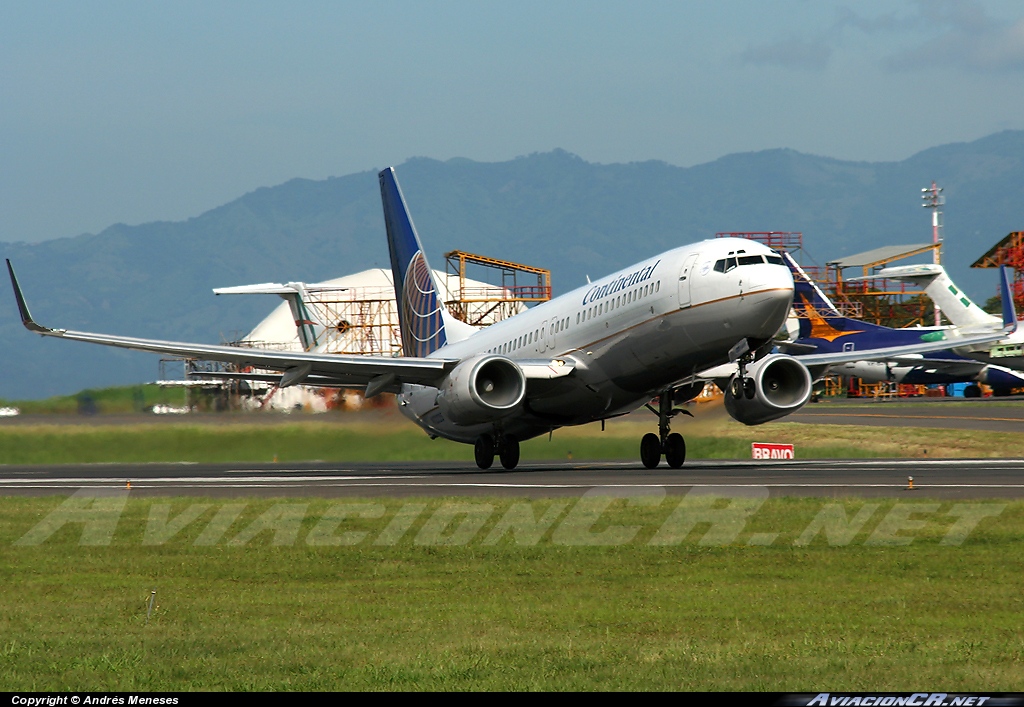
[507, 616]
[171, 442]
[390, 437]
[444, 609]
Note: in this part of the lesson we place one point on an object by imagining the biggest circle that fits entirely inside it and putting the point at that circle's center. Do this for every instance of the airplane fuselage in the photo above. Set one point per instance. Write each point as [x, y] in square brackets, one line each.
[628, 335]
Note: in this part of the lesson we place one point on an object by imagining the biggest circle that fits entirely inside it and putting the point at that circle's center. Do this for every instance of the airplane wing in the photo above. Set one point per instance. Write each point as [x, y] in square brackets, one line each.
[373, 373]
[296, 367]
[891, 353]
[819, 363]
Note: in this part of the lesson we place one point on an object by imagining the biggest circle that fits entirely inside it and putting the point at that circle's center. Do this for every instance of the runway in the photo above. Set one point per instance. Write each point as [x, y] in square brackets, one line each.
[996, 415]
[868, 478]
[990, 478]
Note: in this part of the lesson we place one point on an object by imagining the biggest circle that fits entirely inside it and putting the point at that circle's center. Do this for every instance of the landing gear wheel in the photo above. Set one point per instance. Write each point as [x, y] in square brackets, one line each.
[972, 391]
[650, 450]
[748, 388]
[675, 450]
[737, 388]
[483, 451]
[509, 453]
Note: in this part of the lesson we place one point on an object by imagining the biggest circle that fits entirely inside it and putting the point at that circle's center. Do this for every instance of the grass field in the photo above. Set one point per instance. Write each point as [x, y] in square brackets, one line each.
[390, 437]
[449, 594]
[492, 611]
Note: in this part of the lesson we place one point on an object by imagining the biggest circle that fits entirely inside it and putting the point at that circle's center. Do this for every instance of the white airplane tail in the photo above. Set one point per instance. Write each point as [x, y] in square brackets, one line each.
[310, 328]
[957, 307]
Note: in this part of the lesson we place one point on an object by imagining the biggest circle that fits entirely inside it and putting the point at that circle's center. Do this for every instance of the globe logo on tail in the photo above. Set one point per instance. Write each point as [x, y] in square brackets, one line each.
[422, 326]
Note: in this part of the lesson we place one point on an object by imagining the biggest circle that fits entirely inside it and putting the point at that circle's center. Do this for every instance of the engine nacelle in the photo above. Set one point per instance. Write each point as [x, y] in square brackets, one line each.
[482, 389]
[1001, 379]
[774, 387]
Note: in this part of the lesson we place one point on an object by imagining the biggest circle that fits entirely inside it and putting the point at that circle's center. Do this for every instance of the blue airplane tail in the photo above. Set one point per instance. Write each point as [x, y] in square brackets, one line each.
[420, 308]
[822, 326]
[808, 305]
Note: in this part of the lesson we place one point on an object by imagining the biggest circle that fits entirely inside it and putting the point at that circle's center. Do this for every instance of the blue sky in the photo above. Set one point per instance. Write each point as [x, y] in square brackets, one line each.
[133, 112]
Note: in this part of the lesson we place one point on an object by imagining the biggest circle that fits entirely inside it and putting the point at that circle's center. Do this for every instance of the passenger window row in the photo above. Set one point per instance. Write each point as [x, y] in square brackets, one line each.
[616, 302]
[582, 316]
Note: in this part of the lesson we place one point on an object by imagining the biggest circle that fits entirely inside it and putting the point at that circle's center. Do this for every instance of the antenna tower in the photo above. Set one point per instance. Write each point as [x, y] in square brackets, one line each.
[933, 199]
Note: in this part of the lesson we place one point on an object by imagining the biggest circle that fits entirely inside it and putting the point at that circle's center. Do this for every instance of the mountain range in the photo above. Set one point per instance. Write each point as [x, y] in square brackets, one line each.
[551, 209]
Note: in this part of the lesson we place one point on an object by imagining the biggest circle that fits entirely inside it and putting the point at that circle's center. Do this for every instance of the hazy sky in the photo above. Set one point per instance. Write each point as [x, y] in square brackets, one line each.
[137, 111]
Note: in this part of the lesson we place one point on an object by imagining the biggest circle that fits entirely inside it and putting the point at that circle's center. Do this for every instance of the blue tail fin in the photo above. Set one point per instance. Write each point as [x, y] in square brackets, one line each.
[420, 308]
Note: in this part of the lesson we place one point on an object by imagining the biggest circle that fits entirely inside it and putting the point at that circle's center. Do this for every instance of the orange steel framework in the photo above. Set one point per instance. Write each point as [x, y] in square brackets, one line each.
[499, 302]
[1009, 252]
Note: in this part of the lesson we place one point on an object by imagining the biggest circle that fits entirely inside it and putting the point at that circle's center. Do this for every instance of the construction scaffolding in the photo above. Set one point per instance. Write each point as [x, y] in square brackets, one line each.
[1009, 252]
[482, 306]
[358, 321]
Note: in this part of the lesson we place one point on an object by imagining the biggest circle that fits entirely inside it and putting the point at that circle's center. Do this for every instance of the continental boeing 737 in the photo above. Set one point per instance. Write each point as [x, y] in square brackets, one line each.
[658, 329]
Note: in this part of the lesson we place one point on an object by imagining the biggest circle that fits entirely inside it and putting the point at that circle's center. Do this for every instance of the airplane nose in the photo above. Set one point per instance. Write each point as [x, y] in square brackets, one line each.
[772, 305]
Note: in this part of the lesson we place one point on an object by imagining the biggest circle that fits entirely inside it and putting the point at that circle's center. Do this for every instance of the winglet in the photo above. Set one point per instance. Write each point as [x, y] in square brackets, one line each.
[1009, 311]
[26, 316]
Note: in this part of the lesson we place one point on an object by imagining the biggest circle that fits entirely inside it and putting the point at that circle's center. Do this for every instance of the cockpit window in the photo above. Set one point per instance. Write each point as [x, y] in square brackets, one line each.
[735, 260]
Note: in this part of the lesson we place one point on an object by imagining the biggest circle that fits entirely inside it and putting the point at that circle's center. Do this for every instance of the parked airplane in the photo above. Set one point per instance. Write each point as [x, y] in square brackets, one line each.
[1007, 353]
[296, 294]
[822, 328]
[653, 329]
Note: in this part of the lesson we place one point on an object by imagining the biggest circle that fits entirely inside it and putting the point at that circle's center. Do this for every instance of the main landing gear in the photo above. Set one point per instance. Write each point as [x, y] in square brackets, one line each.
[506, 447]
[671, 444]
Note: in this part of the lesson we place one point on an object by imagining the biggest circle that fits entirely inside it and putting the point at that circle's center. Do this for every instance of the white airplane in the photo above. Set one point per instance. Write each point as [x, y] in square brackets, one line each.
[659, 328]
[296, 294]
[1004, 358]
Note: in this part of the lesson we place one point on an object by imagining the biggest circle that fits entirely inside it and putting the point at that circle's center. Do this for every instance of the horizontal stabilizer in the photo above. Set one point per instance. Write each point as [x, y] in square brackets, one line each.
[273, 288]
[923, 271]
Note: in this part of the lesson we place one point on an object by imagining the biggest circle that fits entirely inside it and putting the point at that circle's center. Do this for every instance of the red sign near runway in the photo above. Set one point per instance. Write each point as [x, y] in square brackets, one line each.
[767, 450]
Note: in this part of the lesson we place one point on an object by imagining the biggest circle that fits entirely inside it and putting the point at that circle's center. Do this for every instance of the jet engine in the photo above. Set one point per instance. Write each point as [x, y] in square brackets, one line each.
[774, 387]
[1002, 380]
[482, 389]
